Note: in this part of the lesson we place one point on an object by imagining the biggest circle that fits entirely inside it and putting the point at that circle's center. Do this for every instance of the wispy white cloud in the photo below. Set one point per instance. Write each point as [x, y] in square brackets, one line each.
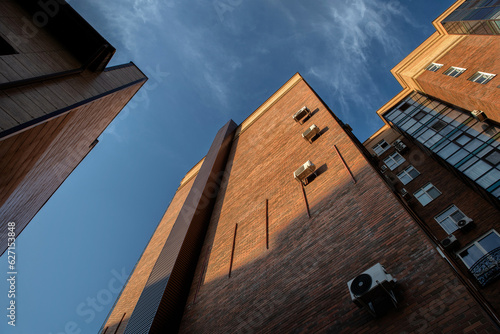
[351, 31]
[132, 21]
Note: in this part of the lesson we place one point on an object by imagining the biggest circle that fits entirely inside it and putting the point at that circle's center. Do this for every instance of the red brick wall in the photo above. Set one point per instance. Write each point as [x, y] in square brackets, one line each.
[454, 191]
[299, 284]
[475, 53]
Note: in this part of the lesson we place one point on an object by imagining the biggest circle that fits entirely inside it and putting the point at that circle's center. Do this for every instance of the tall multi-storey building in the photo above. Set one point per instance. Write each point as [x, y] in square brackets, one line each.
[56, 98]
[290, 224]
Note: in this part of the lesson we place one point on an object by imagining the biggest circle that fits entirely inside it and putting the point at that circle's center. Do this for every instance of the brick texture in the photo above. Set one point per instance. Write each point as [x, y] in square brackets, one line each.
[298, 285]
[453, 191]
[475, 53]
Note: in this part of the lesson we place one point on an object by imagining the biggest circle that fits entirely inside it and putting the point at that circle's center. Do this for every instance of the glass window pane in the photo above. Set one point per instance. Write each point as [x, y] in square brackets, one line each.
[463, 139]
[471, 255]
[493, 158]
[433, 192]
[448, 225]
[413, 173]
[424, 199]
[490, 242]
[478, 169]
[491, 177]
[448, 150]
[457, 156]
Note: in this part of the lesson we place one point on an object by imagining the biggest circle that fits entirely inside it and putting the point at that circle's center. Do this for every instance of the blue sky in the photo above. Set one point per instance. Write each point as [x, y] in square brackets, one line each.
[208, 61]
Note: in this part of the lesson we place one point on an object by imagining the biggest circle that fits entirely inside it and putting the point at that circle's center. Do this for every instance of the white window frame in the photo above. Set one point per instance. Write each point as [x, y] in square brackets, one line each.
[482, 77]
[406, 172]
[379, 146]
[424, 191]
[433, 67]
[477, 244]
[440, 218]
[393, 161]
[454, 71]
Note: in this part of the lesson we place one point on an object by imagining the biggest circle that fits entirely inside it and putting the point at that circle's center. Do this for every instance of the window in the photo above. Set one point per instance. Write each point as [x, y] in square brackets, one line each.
[482, 257]
[427, 194]
[438, 126]
[454, 71]
[493, 157]
[418, 116]
[381, 147]
[408, 174]
[394, 160]
[449, 218]
[404, 106]
[6, 48]
[433, 67]
[463, 139]
[481, 77]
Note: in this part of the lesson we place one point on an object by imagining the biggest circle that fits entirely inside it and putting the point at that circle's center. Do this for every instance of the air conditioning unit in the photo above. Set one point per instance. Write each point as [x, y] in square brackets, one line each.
[450, 243]
[479, 115]
[405, 194]
[372, 288]
[301, 115]
[383, 168]
[310, 133]
[465, 223]
[399, 146]
[304, 171]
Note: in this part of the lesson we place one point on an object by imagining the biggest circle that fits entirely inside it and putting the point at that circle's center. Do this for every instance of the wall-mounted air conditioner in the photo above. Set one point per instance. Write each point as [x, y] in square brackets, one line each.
[400, 146]
[405, 194]
[450, 242]
[479, 115]
[301, 115]
[310, 133]
[304, 171]
[465, 224]
[372, 288]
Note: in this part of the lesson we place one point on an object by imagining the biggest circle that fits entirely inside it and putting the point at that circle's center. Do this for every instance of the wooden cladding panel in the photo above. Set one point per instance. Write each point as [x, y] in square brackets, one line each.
[38, 52]
[36, 161]
[31, 102]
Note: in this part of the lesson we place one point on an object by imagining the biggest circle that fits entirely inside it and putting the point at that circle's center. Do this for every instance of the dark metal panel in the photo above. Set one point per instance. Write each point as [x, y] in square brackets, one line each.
[161, 304]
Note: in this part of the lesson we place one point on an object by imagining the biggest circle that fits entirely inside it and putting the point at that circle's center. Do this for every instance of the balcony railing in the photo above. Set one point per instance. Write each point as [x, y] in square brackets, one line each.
[487, 268]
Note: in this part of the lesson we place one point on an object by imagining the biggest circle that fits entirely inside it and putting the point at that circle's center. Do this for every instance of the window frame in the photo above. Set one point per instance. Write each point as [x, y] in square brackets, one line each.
[476, 76]
[425, 191]
[451, 218]
[390, 157]
[450, 72]
[434, 67]
[406, 172]
[379, 145]
[442, 124]
[478, 245]
[494, 150]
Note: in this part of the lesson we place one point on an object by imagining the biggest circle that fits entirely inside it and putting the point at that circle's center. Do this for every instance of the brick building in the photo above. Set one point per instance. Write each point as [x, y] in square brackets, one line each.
[284, 224]
[56, 98]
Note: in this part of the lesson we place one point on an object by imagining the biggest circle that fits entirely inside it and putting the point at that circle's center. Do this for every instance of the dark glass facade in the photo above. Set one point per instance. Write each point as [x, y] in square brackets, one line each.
[474, 17]
[470, 146]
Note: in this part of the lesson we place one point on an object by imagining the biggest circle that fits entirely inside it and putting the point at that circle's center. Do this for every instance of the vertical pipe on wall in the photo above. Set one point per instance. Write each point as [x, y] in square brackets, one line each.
[232, 252]
[345, 165]
[267, 224]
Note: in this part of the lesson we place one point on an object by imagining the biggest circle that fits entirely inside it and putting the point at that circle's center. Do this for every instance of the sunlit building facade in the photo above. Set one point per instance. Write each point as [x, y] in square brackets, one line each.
[290, 224]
